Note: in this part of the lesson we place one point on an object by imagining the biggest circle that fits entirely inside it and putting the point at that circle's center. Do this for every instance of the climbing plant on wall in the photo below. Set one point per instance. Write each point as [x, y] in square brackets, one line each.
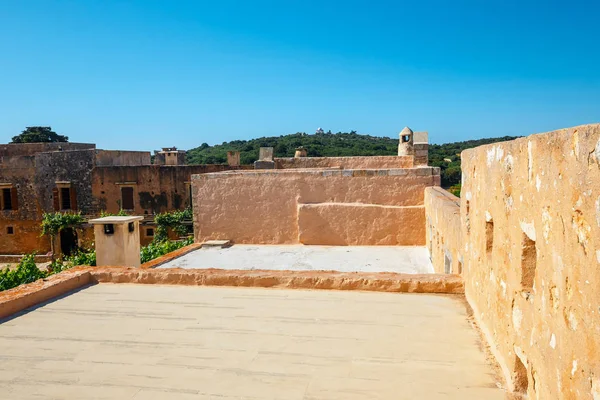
[174, 220]
[53, 223]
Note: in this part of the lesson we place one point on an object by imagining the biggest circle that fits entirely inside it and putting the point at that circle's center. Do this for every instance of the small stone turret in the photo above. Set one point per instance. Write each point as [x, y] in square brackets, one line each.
[300, 152]
[405, 147]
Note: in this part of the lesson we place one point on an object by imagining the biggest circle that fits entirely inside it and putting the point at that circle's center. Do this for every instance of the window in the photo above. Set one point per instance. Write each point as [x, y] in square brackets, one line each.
[405, 138]
[10, 230]
[7, 199]
[65, 198]
[528, 263]
[149, 232]
[127, 198]
[109, 229]
[130, 227]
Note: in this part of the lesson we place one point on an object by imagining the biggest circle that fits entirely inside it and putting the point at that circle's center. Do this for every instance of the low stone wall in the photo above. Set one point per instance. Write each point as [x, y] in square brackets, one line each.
[262, 207]
[443, 231]
[370, 162]
[530, 211]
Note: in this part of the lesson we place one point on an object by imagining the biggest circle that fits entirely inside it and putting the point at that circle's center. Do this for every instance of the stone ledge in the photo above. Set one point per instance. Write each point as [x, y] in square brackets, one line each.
[414, 171]
[25, 296]
[330, 280]
[22, 297]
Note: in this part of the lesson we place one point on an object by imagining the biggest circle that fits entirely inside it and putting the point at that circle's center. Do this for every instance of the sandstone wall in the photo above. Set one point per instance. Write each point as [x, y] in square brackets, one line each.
[311, 206]
[530, 212]
[443, 230]
[109, 158]
[370, 162]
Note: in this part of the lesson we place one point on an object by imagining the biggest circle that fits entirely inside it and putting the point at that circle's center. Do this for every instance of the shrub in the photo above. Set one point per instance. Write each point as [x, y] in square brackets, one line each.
[157, 249]
[26, 272]
[82, 257]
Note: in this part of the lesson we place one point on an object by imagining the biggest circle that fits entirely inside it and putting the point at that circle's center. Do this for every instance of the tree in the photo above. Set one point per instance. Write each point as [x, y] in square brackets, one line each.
[39, 134]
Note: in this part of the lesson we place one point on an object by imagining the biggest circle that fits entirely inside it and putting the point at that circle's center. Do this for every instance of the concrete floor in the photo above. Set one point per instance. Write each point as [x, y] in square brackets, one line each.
[410, 260]
[187, 342]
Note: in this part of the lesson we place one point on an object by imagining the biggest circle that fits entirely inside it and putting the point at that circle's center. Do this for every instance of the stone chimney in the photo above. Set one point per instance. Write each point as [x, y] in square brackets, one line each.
[300, 152]
[233, 158]
[405, 147]
[421, 148]
[265, 159]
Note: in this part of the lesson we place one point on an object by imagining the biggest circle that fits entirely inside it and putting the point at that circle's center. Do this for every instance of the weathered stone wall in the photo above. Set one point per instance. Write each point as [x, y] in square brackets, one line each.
[110, 158]
[262, 207]
[443, 230]
[67, 166]
[530, 212]
[30, 149]
[371, 162]
[156, 188]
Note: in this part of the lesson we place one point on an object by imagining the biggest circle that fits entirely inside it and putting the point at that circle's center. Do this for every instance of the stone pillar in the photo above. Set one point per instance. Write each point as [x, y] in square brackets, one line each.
[233, 158]
[405, 147]
[421, 148]
[265, 159]
[117, 241]
[300, 152]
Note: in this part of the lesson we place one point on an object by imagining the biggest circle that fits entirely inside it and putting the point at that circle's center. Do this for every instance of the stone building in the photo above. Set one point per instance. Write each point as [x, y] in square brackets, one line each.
[36, 178]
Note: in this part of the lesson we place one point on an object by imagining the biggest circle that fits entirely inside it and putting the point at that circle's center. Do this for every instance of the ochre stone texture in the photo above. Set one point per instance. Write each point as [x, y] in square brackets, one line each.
[357, 224]
[530, 212]
[359, 162]
[261, 207]
[443, 230]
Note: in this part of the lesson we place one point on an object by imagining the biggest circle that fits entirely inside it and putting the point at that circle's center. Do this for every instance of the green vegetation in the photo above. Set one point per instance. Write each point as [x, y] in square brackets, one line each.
[53, 223]
[174, 220]
[158, 249]
[39, 134]
[26, 272]
[445, 156]
[161, 245]
[320, 144]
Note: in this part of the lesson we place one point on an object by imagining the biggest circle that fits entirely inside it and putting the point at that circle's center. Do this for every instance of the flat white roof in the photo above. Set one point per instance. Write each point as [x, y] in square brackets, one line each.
[116, 219]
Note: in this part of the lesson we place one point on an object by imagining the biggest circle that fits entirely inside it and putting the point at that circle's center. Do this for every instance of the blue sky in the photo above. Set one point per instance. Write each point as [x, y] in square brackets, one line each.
[146, 74]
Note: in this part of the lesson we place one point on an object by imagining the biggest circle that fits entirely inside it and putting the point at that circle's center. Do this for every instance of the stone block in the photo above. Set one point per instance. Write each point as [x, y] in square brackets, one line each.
[265, 154]
[233, 158]
[421, 137]
[261, 164]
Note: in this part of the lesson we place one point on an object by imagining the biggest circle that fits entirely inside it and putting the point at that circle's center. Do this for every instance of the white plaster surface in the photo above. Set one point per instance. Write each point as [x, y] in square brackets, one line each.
[401, 259]
[112, 341]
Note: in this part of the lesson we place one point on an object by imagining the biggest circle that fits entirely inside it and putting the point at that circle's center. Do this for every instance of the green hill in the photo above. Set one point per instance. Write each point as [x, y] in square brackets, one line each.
[336, 145]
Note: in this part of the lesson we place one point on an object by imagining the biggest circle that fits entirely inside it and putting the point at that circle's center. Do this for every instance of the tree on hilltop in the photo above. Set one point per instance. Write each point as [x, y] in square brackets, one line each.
[39, 134]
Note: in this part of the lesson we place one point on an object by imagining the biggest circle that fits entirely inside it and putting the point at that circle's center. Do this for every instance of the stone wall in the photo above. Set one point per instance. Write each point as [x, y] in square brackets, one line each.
[530, 212]
[30, 149]
[109, 158]
[313, 206]
[371, 162]
[443, 230]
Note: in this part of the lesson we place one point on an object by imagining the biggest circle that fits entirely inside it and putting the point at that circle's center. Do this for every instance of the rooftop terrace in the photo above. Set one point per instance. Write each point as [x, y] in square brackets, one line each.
[110, 341]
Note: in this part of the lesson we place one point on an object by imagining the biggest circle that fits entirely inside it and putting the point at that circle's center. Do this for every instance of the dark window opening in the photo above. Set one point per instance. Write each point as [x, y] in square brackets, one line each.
[130, 227]
[127, 198]
[405, 138]
[528, 263]
[489, 236]
[65, 198]
[150, 232]
[10, 230]
[7, 199]
[109, 229]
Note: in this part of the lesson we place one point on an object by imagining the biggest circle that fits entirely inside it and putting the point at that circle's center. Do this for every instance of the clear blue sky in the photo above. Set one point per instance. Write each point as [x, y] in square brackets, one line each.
[145, 74]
